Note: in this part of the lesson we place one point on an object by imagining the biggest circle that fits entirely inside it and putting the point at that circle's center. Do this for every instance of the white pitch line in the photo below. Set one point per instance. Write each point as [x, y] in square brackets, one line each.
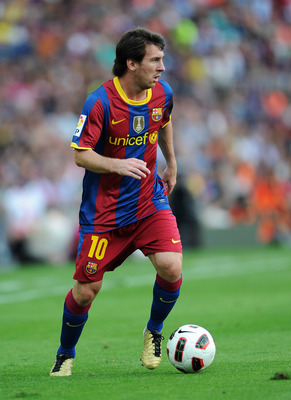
[205, 269]
[33, 294]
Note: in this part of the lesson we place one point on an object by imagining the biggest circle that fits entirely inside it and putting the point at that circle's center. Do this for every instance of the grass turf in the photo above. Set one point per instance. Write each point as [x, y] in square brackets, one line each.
[241, 296]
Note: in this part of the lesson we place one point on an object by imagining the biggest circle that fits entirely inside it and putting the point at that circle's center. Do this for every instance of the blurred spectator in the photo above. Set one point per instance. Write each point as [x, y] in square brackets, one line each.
[185, 210]
[228, 63]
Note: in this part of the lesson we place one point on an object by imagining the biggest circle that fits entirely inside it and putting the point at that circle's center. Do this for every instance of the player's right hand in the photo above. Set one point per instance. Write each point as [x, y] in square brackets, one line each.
[133, 167]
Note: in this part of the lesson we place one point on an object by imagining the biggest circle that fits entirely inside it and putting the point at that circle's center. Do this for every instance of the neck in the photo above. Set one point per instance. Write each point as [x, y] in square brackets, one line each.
[132, 91]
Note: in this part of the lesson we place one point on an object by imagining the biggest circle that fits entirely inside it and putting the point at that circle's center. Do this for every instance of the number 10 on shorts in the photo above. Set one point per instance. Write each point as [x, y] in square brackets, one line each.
[98, 247]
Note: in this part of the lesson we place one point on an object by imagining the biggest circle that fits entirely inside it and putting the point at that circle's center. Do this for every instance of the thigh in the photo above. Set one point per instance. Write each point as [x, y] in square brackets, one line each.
[100, 252]
[158, 233]
[159, 239]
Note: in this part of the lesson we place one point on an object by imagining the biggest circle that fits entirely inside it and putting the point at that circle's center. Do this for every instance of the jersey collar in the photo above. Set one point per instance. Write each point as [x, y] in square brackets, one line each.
[126, 99]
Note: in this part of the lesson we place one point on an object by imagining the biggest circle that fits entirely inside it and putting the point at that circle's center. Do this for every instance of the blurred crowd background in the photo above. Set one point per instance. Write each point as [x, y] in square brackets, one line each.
[228, 63]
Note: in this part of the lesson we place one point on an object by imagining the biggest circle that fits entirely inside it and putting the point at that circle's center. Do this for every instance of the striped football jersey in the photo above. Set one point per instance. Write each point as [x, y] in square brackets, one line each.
[114, 126]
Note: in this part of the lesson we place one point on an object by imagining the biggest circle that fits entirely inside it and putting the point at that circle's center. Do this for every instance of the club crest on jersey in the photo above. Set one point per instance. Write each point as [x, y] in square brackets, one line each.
[91, 268]
[138, 123]
[157, 114]
[80, 125]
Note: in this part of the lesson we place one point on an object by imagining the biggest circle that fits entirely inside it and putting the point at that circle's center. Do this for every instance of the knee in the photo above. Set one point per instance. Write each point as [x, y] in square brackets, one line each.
[170, 271]
[85, 293]
[168, 265]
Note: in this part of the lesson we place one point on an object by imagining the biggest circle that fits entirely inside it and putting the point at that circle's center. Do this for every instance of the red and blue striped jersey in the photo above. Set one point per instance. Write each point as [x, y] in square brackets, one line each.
[114, 126]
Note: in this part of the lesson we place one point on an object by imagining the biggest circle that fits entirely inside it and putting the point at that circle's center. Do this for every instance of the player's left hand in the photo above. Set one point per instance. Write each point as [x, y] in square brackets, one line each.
[170, 179]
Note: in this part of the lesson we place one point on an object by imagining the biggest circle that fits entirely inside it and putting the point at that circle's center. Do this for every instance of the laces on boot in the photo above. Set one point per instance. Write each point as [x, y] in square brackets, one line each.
[157, 339]
[61, 358]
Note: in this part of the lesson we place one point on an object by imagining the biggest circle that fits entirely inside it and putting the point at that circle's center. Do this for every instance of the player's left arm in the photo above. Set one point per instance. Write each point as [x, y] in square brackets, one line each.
[167, 147]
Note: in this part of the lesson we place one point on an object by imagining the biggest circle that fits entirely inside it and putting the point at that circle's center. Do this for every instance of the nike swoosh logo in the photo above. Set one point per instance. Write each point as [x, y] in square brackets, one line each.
[180, 331]
[167, 301]
[117, 122]
[175, 241]
[75, 326]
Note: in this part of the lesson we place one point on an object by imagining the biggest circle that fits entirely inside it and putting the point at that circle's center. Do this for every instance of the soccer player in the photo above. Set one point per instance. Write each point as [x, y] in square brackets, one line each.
[124, 204]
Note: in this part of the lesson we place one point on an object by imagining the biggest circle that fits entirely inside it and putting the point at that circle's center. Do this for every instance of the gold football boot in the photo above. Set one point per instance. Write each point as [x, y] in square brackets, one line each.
[152, 349]
[62, 366]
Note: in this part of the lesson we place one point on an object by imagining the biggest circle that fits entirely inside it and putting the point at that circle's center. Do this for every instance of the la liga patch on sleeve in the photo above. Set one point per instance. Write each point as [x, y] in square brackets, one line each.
[80, 124]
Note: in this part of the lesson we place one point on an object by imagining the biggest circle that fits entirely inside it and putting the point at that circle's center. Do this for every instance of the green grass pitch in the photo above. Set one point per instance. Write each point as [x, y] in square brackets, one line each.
[243, 297]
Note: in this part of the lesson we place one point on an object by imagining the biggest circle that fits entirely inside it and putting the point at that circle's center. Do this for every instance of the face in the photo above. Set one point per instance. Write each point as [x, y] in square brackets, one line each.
[147, 72]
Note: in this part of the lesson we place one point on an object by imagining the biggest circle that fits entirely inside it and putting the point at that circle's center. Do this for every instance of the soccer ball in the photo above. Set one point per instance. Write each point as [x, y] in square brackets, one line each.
[191, 348]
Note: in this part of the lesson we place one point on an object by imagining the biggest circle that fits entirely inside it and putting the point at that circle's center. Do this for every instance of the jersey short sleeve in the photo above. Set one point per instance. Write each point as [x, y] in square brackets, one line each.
[91, 121]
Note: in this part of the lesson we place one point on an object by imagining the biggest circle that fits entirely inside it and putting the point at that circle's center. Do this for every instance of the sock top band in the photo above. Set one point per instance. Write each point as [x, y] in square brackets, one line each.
[170, 286]
[73, 306]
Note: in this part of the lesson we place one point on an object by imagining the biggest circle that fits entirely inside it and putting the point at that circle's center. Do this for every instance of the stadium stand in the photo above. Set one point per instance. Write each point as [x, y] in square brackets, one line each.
[228, 63]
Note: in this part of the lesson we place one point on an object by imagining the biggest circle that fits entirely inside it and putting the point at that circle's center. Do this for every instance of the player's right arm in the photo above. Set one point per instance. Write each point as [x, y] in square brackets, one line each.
[87, 134]
[98, 164]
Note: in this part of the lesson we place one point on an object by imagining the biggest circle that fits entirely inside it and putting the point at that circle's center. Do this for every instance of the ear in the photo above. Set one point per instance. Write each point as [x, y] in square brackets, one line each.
[131, 65]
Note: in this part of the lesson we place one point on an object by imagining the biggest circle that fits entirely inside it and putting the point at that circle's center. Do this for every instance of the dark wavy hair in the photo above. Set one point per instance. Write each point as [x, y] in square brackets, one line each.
[132, 45]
